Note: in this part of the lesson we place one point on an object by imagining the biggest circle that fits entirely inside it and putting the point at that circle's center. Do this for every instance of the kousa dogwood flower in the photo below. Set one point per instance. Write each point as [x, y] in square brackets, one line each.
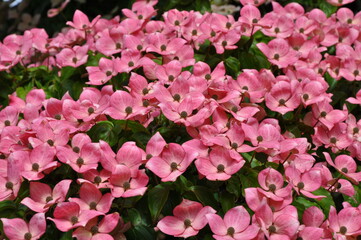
[87, 158]
[356, 100]
[17, 228]
[10, 184]
[42, 197]
[346, 166]
[49, 135]
[92, 199]
[183, 113]
[281, 26]
[124, 106]
[97, 178]
[189, 217]
[252, 2]
[339, 2]
[90, 105]
[283, 97]
[81, 21]
[110, 41]
[271, 182]
[276, 225]
[73, 57]
[155, 146]
[263, 136]
[124, 183]
[219, 165]
[94, 230]
[158, 43]
[345, 223]
[8, 117]
[172, 162]
[103, 73]
[336, 138]
[305, 183]
[37, 162]
[327, 115]
[235, 225]
[68, 215]
[278, 52]
[167, 73]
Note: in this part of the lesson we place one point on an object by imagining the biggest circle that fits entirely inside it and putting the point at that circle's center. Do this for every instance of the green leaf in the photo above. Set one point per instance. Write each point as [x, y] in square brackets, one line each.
[67, 236]
[233, 66]
[302, 204]
[103, 131]
[326, 202]
[156, 200]
[202, 6]
[129, 125]
[205, 196]
[141, 232]
[234, 185]
[134, 217]
[227, 201]
[7, 209]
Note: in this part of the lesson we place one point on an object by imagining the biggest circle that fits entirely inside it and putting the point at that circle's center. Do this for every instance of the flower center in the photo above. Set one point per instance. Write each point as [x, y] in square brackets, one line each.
[183, 114]
[174, 166]
[27, 236]
[91, 110]
[126, 185]
[94, 230]
[300, 185]
[345, 170]
[80, 162]
[176, 97]
[343, 230]
[76, 149]
[74, 219]
[48, 199]
[93, 205]
[230, 231]
[187, 223]
[128, 110]
[272, 187]
[7, 123]
[35, 167]
[272, 229]
[149, 156]
[97, 180]
[220, 168]
[9, 185]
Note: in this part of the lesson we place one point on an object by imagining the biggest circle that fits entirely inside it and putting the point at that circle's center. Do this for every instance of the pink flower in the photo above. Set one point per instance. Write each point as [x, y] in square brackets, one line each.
[85, 159]
[73, 57]
[345, 165]
[235, 225]
[339, 2]
[92, 199]
[124, 183]
[39, 160]
[42, 197]
[278, 52]
[103, 73]
[283, 97]
[17, 228]
[220, 165]
[305, 183]
[277, 225]
[189, 217]
[95, 231]
[67, 215]
[345, 223]
[81, 21]
[173, 161]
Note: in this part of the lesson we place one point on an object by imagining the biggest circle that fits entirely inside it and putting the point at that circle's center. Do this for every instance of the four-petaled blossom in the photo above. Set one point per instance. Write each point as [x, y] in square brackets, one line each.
[189, 217]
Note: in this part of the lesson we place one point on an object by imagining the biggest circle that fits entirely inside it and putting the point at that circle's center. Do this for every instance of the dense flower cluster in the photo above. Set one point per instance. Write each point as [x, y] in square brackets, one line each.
[231, 120]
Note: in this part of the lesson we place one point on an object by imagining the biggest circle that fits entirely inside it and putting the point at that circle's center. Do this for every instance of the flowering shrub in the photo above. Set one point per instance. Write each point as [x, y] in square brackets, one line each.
[194, 125]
